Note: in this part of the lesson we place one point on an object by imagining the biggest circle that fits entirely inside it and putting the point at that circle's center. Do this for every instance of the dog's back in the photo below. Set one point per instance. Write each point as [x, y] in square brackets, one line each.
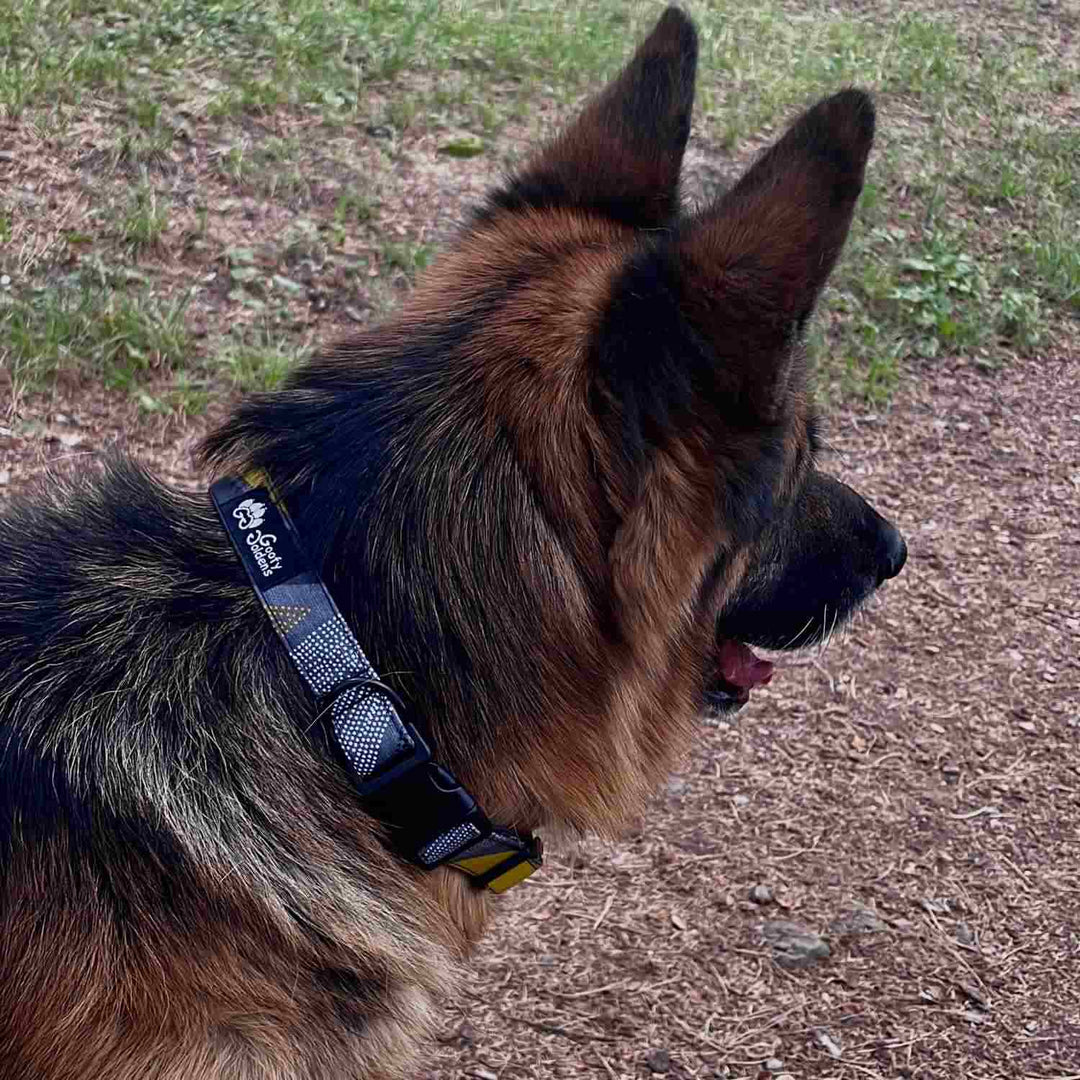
[188, 888]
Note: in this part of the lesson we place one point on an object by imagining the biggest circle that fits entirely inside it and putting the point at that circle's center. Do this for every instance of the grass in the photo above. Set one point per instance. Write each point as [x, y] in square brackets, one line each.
[1055, 261]
[256, 361]
[214, 126]
[145, 220]
[105, 328]
[310, 52]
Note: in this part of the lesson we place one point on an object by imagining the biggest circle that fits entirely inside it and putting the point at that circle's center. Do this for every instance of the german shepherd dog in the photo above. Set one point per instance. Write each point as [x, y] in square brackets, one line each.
[556, 499]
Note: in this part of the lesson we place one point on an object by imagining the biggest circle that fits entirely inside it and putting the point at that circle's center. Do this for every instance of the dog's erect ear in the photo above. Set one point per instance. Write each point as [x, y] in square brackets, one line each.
[622, 155]
[753, 264]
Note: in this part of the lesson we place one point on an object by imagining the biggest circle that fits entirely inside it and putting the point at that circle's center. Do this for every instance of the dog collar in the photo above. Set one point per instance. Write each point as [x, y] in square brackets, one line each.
[432, 820]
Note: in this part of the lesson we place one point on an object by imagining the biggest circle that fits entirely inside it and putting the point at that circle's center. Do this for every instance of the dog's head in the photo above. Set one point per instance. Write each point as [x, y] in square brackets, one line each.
[693, 364]
[588, 451]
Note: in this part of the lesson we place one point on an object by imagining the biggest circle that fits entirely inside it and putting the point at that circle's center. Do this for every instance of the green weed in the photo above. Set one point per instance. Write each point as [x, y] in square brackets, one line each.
[353, 207]
[145, 219]
[1056, 263]
[940, 295]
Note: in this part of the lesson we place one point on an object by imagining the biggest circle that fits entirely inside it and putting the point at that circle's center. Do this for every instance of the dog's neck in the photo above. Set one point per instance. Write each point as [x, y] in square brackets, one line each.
[431, 818]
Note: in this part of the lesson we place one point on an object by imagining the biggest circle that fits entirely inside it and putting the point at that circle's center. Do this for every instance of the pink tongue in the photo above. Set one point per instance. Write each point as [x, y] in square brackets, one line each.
[740, 667]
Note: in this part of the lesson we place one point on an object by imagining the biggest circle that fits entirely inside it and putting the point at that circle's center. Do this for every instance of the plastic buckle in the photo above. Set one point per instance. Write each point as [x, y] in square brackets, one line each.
[415, 797]
[515, 868]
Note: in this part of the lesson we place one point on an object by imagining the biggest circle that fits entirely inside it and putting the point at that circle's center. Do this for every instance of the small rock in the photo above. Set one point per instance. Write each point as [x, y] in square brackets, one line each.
[964, 934]
[761, 894]
[773, 1065]
[676, 786]
[794, 945]
[741, 800]
[829, 1044]
[5, 280]
[658, 1061]
[484, 1074]
[5, 477]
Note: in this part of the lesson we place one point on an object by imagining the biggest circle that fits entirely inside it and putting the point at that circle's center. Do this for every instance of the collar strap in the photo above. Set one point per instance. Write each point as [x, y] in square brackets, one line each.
[432, 820]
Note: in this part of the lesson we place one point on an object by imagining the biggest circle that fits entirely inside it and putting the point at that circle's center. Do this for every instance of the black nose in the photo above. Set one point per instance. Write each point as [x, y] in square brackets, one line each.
[893, 553]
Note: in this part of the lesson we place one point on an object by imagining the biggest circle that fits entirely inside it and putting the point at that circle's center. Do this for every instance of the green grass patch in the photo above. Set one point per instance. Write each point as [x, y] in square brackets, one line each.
[315, 52]
[964, 240]
[924, 293]
[257, 359]
[97, 323]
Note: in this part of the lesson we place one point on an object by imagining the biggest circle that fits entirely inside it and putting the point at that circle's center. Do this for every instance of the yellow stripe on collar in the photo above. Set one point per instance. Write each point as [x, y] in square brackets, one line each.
[501, 870]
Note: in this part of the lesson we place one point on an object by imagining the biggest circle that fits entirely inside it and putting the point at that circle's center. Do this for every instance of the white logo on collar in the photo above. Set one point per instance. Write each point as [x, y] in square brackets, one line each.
[250, 514]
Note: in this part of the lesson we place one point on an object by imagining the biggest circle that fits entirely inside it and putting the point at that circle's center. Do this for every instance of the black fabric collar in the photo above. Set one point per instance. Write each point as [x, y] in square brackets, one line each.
[431, 818]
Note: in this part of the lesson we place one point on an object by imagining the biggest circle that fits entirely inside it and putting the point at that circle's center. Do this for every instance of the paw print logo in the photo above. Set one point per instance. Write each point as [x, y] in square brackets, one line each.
[250, 514]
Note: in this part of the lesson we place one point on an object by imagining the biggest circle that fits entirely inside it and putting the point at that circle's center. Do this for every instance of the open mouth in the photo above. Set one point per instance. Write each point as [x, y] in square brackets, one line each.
[738, 671]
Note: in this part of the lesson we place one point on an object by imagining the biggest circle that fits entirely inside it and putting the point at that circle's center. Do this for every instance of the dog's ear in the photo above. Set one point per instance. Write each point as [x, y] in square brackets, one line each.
[711, 313]
[622, 155]
[753, 265]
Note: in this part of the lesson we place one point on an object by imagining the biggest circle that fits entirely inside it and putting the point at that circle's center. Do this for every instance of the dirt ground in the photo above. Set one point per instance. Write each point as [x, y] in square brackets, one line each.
[910, 795]
[874, 870]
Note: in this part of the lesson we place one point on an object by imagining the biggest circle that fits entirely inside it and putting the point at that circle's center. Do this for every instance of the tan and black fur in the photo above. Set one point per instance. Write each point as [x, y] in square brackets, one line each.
[576, 463]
